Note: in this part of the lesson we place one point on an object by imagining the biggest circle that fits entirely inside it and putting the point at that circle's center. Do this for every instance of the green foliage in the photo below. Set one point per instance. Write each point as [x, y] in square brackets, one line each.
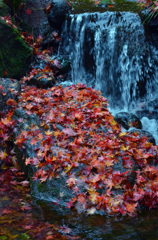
[14, 4]
[73, 2]
[23, 236]
[152, 5]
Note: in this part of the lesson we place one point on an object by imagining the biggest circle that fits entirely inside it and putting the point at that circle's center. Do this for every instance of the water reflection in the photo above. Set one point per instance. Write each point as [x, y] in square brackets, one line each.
[96, 227]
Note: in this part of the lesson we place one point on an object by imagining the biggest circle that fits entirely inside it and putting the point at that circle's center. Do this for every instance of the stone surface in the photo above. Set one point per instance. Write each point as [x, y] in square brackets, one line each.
[50, 71]
[9, 90]
[30, 127]
[33, 17]
[58, 12]
[128, 120]
[42, 82]
[151, 25]
[149, 110]
[15, 55]
[49, 190]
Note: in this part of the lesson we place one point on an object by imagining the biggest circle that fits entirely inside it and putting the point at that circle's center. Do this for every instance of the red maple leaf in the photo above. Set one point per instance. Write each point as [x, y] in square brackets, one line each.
[33, 141]
[28, 11]
[68, 3]
[5, 72]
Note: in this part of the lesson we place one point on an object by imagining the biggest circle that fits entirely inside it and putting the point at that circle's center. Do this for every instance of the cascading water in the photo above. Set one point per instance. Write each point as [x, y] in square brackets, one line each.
[109, 51]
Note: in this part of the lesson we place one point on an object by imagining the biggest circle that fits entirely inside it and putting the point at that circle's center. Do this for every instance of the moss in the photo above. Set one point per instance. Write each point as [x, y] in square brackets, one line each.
[42, 187]
[23, 236]
[15, 55]
[4, 10]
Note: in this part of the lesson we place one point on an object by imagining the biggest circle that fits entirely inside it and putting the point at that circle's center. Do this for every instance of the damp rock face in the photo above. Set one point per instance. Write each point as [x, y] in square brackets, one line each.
[9, 90]
[128, 120]
[15, 55]
[34, 17]
[58, 12]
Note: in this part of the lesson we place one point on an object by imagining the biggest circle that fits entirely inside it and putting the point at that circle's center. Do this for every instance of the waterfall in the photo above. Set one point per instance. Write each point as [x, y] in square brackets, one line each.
[109, 51]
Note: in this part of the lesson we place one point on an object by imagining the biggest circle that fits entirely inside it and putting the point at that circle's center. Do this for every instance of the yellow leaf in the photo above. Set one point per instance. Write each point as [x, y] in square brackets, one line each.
[124, 148]
[48, 133]
[113, 123]
[122, 134]
[67, 169]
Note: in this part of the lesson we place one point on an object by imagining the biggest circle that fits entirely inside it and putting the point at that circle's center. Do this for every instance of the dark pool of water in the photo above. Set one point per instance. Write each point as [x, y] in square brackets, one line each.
[96, 227]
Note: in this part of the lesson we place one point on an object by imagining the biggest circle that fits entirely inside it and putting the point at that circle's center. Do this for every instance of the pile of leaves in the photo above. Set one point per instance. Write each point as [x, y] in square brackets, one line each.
[82, 141]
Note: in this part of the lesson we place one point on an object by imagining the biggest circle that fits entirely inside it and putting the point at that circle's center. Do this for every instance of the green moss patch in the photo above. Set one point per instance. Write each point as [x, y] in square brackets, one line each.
[15, 55]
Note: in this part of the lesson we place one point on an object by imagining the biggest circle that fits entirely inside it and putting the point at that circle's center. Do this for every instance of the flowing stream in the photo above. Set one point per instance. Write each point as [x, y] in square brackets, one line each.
[111, 52]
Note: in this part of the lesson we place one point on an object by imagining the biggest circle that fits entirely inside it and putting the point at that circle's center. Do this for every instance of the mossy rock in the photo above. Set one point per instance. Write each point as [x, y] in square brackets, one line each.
[4, 10]
[15, 54]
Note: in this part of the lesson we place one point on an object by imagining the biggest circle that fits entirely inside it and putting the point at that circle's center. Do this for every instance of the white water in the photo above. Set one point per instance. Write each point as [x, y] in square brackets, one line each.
[109, 51]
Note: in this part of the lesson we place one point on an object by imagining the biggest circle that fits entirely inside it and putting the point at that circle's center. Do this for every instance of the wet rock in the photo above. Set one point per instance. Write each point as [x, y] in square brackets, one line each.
[150, 137]
[151, 24]
[42, 81]
[58, 12]
[15, 55]
[51, 39]
[149, 110]
[31, 137]
[59, 68]
[9, 90]
[63, 66]
[25, 149]
[33, 17]
[128, 120]
[50, 191]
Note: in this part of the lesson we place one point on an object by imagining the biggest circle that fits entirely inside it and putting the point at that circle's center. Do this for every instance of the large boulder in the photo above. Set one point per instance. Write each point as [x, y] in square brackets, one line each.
[58, 12]
[33, 17]
[15, 55]
[75, 154]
